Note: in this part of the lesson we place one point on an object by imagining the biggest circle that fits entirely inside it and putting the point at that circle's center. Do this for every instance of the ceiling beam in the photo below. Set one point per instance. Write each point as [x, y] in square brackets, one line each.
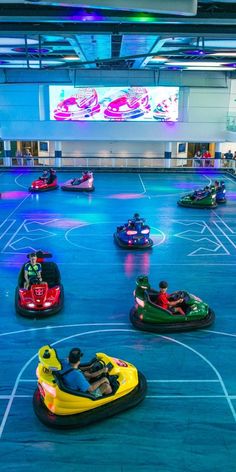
[56, 29]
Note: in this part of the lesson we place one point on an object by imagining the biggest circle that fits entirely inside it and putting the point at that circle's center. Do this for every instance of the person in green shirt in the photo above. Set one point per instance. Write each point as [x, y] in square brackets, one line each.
[32, 271]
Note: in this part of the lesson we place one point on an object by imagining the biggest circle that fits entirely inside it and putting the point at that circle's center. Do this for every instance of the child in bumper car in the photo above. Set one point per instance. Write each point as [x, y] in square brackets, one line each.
[164, 302]
[32, 271]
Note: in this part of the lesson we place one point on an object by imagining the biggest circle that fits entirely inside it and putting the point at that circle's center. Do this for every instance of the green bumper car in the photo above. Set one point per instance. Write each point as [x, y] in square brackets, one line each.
[205, 198]
[148, 316]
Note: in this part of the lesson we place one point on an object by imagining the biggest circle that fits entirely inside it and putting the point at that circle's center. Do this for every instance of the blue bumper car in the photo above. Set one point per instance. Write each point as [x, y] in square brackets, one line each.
[220, 192]
[134, 235]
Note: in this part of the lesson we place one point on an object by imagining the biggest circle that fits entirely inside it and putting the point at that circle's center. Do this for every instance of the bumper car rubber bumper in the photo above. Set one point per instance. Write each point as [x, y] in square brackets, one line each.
[171, 327]
[92, 416]
[125, 245]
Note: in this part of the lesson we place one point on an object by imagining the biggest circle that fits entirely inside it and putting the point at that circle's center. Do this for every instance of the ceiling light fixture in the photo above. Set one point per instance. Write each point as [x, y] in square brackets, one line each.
[210, 68]
[71, 58]
[195, 63]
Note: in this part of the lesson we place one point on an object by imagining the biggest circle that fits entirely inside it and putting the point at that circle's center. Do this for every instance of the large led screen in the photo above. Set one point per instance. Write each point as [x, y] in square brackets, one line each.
[113, 103]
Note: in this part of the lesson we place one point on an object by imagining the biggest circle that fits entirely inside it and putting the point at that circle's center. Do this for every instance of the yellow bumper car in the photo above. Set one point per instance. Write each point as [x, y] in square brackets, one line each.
[58, 406]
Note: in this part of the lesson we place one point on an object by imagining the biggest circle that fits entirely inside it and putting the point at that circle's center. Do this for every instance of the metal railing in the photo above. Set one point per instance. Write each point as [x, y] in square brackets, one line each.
[118, 162]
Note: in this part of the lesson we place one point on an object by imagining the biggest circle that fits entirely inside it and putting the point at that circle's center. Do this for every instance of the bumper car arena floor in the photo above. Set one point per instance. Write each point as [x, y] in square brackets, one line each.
[188, 419]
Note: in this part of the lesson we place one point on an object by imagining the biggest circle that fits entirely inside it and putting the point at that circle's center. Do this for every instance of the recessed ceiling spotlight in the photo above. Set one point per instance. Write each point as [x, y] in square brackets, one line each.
[232, 64]
[174, 67]
[194, 52]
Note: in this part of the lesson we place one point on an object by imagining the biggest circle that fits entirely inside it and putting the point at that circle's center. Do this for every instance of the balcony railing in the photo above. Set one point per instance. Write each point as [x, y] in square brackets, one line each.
[116, 163]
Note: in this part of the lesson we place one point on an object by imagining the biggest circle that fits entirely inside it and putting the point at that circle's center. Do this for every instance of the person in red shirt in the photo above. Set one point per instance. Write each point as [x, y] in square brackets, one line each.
[164, 302]
[206, 156]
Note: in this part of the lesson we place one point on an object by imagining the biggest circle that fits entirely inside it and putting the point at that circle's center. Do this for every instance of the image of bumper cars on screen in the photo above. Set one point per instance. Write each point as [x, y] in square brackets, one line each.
[201, 198]
[83, 104]
[46, 182]
[58, 406]
[132, 104]
[85, 183]
[167, 109]
[39, 292]
[182, 312]
[134, 234]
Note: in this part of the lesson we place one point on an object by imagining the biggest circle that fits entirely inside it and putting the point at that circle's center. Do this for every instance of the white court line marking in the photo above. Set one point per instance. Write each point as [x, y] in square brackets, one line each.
[6, 230]
[208, 178]
[228, 178]
[162, 234]
[213, 368]
[25, 225]
[78, 325]
[6, 397]
[183, 381]
[211, 252]
[231, 231]
[17, 183]
[144, 188]
[99, 250]
[18, 206]
[220, 243]
[185, 396]
[62, 327]
[27, 380]
[7, 411]
[221, 333]
[227, 237]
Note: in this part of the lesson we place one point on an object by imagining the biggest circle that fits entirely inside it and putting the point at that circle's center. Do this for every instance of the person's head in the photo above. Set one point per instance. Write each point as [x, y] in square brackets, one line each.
[33, 258]
[217, 183]
[136, 216]
[163, 285]
[75, 355]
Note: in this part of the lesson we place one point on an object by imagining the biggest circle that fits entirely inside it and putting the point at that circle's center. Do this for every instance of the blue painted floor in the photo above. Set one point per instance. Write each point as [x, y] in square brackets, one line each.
[188, 420]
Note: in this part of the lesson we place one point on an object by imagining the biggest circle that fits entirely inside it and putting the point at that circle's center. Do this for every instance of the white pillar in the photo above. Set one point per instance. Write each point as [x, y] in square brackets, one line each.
[168, 150]
[217, 160]
[58, 153]
[7, 153]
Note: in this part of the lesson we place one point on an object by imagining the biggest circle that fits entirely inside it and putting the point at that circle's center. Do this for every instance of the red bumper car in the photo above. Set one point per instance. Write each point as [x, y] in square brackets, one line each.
[43, 185]
[40, 299]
